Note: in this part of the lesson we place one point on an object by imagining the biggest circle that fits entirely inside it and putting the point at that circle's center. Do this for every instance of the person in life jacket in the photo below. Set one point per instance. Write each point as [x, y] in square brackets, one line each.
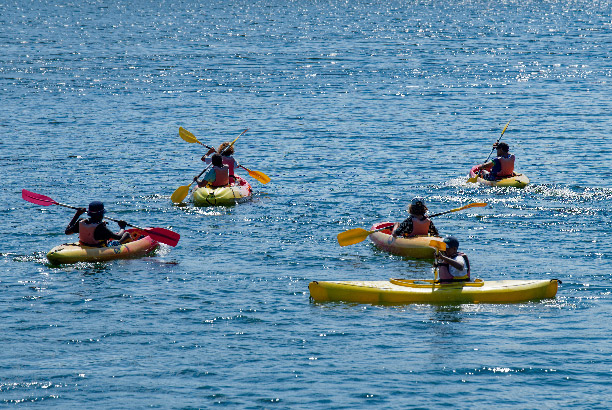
[93, 231]
[217, 176]
[417, 223]
[500, 167]
[226, 151]
[453, 266]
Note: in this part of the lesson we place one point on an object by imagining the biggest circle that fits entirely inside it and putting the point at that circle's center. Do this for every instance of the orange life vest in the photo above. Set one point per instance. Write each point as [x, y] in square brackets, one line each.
[221, 176]
[507, 167]
[420, 226]
[229, 162]
[86, 233]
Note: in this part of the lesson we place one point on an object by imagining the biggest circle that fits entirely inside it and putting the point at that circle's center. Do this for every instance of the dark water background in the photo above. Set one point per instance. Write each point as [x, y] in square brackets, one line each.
[353, 108]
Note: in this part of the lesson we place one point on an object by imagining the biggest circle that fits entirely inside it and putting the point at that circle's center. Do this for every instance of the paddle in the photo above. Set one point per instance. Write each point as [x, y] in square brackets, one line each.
[189, 137]
[353, 236]
[474, 179]
[461, 208]
[181, 192]
[158, 234]
[439, 246]
[258, 175]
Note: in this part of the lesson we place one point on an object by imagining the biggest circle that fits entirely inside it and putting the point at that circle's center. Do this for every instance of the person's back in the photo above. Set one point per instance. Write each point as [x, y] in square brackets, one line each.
[93, 231]
[501, 166]
[229, 162]
[87, 233]
[218, 175]
[417, 224]
[226, 151]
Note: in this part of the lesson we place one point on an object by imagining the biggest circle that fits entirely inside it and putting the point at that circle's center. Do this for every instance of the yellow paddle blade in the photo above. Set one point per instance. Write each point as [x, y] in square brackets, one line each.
[187, 136]
[260, 176]
[473, 179]
[352, 236]
[504, 130]
[439, 244]
[472, 205]
[180, 194]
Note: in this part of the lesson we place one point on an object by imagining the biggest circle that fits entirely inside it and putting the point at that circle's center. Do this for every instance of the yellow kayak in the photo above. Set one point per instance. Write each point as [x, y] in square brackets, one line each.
[516, 181]
[76, 252]
[239, 191]
[402, 291]
[416, 247]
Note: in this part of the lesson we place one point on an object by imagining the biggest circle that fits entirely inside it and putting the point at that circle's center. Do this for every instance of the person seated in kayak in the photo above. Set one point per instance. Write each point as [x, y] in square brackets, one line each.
[500, 167]
[417, 223]
[226, 151]
[453, 266]
[217, 175]
[93, 231]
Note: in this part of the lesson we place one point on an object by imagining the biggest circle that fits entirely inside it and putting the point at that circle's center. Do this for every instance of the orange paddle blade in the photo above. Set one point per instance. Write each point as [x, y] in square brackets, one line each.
[353, 236]
[260, 176]
[439, 244]
[180, 194]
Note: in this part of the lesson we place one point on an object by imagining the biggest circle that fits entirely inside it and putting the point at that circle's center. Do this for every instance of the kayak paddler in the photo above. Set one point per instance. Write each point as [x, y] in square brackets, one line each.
[453, 266]
[417, 223]
[93, 231]
[500, 167]
[217, 175]
[226, 151]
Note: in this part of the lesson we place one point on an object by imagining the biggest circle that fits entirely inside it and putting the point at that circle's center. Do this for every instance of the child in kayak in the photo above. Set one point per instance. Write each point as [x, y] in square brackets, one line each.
[500, 167]
[453, 266]
[417, 223]
[93, 231]
[217, 176]
[226, 151]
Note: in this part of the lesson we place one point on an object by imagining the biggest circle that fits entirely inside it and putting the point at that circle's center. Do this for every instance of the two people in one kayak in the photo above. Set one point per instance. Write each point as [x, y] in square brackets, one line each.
[93, 230]
[417, 223]
[500, 167]
[223, 166]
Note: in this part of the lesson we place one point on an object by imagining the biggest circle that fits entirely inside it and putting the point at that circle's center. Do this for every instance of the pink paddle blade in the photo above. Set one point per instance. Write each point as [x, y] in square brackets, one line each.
[158, 234]
[163, 235]
[37, 199]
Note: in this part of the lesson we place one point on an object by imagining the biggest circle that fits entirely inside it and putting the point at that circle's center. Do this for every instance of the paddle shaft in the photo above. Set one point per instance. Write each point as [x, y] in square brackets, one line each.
[159, 234]
[496, 142]
[221, 153]
[356, 235]
[429, 216]
[106, 217]
[475, 204]
[189, 137]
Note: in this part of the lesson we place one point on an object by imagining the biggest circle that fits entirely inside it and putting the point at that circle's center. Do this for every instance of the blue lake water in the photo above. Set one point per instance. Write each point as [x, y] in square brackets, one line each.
[353, 108]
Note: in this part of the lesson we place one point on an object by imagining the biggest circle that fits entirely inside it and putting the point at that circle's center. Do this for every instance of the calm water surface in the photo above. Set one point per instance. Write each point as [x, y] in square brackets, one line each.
[353, 108]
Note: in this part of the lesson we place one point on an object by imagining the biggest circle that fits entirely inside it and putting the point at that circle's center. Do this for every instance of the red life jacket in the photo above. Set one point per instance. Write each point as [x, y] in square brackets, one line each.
[229, 162]
[86, 233]
[420, 226]
[221, 177]
[445, 276]
[507, 167]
